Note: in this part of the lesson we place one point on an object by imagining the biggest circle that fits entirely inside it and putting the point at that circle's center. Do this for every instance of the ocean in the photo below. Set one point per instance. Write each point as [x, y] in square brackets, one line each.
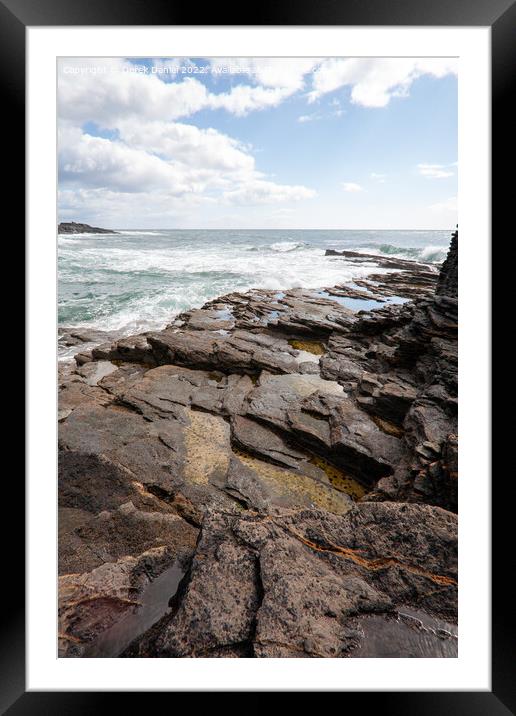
[139, 280]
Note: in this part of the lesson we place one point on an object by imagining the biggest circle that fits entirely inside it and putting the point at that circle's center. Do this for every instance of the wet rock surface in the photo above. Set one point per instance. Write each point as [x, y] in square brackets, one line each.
[91, 603]
[295, 451]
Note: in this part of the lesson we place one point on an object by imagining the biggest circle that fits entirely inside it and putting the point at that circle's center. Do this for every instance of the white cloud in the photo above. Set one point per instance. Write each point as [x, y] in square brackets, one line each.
[380, 178]
[118, 209]
[98, 162]
[185, 143]
[264, 192]
[334, 110]
[374, 81]
[435, 171]
[109, 88]
[303, 118]
[104, 90]
[149, 155]
[171, 160]
[150, 162]
[275, 80]
[284, 73]
[242, 99]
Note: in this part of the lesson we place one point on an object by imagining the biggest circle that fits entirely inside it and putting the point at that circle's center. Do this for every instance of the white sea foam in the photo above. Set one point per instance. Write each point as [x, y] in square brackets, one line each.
[434, 253]
[283, 246]
[429, 254]
[131, 232]
[140, 280]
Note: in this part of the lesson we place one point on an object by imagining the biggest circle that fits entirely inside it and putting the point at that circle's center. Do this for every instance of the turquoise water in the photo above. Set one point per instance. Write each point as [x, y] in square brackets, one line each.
[139, 280]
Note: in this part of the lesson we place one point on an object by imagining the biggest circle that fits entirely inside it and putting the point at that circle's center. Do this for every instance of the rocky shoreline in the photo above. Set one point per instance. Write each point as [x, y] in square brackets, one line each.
[291, 455]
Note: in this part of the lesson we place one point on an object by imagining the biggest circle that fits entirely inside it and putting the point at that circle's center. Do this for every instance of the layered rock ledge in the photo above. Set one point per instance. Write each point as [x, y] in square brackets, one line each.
[293, 454]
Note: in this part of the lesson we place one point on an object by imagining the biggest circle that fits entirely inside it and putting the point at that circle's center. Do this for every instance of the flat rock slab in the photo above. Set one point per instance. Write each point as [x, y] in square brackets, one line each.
[292, 585]
[73, 336]
[163, 392]
[240, 351]
[162, 453]
[274, 396]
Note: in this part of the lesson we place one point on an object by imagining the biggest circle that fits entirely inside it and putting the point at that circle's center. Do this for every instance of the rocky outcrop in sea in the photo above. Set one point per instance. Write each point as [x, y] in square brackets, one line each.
[271, 475]
[72, 227]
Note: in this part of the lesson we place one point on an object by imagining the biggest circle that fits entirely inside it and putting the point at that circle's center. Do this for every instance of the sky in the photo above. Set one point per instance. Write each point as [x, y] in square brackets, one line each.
[258, 143]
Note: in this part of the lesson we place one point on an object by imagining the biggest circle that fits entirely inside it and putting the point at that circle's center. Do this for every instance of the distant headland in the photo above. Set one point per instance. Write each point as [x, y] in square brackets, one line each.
[73, 227]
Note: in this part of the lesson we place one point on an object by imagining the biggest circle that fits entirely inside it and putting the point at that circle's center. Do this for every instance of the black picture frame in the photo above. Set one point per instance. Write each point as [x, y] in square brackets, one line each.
[500, 16]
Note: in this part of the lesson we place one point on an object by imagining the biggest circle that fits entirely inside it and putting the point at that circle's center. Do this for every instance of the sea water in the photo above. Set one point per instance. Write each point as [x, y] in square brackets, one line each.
[139, 280]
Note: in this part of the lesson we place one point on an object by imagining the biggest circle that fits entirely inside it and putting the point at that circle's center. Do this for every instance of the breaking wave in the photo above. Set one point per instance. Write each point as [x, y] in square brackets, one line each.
[430, 254]
[284, 246]
[135, 281]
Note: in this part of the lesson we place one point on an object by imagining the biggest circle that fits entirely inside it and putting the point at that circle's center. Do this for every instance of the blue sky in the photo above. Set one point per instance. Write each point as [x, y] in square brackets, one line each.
[259, 143]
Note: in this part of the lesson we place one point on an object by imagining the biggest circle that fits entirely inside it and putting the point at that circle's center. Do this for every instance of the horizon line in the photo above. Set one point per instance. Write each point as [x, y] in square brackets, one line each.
[232, 228]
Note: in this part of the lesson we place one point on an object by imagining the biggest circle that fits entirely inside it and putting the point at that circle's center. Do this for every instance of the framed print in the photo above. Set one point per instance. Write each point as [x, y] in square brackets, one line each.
[258, 291]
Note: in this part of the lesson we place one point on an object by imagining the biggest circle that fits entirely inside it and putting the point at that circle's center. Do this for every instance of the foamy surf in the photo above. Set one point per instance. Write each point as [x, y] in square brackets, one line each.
[427, 254]
[283, 246]
[136, 281]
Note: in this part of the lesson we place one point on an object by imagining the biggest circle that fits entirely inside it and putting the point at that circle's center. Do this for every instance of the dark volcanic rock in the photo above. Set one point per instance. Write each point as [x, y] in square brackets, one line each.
[447, 284]
[294, 585]
[240, 351]
[72, 227]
